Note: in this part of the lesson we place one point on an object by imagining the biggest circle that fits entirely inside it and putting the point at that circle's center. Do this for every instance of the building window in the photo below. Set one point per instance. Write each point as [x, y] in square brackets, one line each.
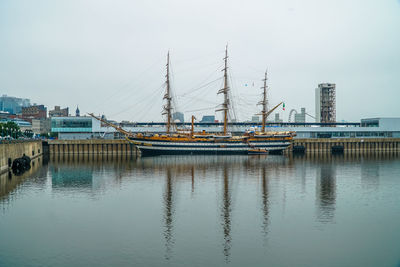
[371, 123]
[70, 123]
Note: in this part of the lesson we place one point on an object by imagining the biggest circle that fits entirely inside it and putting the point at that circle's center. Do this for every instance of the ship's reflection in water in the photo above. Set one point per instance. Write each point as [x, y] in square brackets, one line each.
[211, 210]
[229, 170]
[265, 200]
[168, 217]
[226, 214]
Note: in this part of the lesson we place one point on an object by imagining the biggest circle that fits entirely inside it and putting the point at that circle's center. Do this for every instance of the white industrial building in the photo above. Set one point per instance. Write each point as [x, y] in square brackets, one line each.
[88, 128]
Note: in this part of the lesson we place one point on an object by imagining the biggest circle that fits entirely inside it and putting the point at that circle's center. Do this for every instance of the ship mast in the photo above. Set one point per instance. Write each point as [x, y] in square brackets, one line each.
[167, 96]
[225, 91]
[264, 103]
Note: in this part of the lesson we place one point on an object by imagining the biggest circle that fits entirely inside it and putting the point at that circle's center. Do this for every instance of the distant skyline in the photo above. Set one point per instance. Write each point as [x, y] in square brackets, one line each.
[108, 57]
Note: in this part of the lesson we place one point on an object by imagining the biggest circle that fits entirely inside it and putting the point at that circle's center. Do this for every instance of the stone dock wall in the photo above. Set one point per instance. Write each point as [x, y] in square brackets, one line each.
[347, 145]
[308, 145]
[92, 146]
[10, 150]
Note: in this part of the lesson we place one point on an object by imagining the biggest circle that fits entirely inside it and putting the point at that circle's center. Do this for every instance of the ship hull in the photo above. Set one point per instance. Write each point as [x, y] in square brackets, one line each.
[158, 147]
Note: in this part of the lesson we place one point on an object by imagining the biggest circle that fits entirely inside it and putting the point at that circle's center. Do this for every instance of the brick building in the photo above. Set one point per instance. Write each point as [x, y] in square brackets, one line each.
[34, 112]
[58, 112]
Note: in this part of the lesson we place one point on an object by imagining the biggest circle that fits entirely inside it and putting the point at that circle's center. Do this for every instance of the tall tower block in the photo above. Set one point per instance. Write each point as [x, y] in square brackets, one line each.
[325, 103]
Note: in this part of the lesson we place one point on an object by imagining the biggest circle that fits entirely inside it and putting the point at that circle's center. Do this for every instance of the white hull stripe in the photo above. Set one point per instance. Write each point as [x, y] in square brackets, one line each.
[195, 145]
[200, 143]
[206, 148]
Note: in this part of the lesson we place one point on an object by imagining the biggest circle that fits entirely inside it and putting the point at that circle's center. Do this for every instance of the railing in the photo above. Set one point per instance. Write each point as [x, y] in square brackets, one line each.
[282, 124]
[17, 141]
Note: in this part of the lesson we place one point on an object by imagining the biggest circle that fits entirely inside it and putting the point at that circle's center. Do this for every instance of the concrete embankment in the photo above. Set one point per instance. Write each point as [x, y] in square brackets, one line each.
[11, 150]
[308, 145]
[92, 146]
[346, 145]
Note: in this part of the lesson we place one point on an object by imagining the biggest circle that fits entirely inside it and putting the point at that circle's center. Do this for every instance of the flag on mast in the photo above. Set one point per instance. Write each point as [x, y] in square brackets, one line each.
[283, 106]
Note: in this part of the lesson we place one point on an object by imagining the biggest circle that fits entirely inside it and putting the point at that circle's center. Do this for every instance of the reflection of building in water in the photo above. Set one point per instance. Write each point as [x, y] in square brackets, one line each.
[70, 176]
[326, 192]
[168, 216]
[87, 171]
[226, 215]
[370, 174]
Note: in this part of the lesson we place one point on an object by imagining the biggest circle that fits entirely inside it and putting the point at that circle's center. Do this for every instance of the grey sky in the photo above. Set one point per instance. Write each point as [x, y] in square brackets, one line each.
[109, 56]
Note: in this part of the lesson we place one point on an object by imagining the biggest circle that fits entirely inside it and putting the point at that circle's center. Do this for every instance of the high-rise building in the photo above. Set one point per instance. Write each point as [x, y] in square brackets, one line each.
[277, 119]
[13, 105]
[300, 117]
[325, 103]
[58, 112]
[77, 112]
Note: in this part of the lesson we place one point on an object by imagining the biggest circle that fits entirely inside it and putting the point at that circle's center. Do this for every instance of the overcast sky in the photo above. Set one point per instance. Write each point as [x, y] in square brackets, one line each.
[109, 57]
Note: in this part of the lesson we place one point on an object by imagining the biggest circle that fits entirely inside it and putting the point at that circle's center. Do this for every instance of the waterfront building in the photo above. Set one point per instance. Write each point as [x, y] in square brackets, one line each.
[13, 105]
[82, 127]
[325, 103]
[88, 128]
[59, 112]
[34, 112]
[255, 119]
[367, 128]
[23, 125]
[381, 123]
[178, 116]
[208, 119]
[40, 126]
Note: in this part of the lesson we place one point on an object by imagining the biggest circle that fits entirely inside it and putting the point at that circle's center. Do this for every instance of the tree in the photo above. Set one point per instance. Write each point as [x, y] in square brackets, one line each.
[54, 135]
[46, 135]
[28, 133]
[10, 128]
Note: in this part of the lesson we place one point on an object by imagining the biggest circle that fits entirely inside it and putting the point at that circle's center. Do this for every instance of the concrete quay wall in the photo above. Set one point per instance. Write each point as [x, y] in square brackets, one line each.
[348, 145]
[11, 150]
[92, 146]
[308, 145]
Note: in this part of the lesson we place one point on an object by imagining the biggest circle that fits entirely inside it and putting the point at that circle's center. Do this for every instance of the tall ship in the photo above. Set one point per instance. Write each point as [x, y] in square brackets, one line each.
[177, 142]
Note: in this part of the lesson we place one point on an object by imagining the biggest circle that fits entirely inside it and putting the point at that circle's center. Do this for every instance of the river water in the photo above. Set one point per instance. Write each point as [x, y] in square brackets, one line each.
[316, 210]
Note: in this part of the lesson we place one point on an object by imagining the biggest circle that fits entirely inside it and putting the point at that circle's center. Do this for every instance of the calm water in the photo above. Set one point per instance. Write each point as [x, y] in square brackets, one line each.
[203, 211]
